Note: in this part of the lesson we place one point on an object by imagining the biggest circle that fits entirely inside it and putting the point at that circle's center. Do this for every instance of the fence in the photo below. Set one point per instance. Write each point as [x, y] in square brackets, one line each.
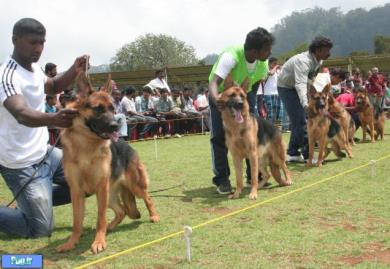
[198, 75]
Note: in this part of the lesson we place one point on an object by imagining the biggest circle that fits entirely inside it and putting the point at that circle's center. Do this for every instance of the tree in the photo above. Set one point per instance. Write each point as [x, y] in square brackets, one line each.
[382, 44]
[153, 51]
[298, 49]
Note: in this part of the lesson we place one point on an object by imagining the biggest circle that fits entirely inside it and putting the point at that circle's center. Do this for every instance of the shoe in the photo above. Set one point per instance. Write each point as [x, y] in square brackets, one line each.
[224, 188]
[295, 159]
[178, 135]
[314, 161]
[356, 139]
[167, 136]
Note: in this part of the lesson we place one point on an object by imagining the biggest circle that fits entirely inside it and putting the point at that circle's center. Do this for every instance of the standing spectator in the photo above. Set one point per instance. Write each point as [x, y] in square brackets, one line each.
[203, 106]
[148, 124]
[119, 113]
[293, 80]
[242, 62]
[275, 108]
[51, 70]
[159, 82]
[376, 89]
[23, 131]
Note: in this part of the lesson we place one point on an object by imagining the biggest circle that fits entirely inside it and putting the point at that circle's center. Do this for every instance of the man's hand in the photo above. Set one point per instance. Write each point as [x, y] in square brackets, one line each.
[64, 117]
[80, 63]
[219, 102]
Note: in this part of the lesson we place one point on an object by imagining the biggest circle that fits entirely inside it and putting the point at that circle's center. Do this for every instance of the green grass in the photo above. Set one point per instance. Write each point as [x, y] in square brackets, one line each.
[328, 225]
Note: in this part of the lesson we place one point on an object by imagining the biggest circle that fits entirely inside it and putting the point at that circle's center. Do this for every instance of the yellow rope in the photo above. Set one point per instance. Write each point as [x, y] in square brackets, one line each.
[227, 215]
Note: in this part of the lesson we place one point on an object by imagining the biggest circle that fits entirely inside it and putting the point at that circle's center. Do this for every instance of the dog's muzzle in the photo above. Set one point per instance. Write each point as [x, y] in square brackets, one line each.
[239, 105]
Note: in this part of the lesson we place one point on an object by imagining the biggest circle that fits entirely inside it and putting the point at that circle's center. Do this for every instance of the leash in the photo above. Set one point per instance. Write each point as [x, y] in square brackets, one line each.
[36, 170]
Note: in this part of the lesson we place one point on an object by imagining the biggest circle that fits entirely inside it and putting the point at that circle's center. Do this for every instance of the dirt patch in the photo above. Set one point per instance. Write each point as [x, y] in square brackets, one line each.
[375, 253]
[217, 210]
[349, 227]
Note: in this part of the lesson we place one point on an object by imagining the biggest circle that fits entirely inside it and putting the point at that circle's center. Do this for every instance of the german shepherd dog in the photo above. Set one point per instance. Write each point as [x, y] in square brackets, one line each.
[342, 116]
[94, 164]
[374, 124]
[251, 138]
[322, 127]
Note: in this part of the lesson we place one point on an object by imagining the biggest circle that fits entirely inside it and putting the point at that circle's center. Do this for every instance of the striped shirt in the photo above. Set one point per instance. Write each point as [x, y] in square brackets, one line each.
[21, 146]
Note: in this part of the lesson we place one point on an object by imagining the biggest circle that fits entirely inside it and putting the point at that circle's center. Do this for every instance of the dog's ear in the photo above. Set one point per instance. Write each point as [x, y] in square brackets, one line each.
[245, 85]
[326, 89]
[228, 82]
[108, 86]
[312, 91]
[83, 85]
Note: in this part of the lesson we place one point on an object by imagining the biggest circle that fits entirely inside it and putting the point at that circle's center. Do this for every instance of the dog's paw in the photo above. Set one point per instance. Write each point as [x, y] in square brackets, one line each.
[235, 195]
[253, 195]
[98, 246]
[66, 246]
[155, 218]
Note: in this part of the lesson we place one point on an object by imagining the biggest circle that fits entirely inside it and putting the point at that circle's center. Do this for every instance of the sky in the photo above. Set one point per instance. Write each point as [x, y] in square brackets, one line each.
[100, 28]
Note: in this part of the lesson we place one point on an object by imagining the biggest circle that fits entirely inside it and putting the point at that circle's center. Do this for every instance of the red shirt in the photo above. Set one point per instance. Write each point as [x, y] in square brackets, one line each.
[376, 84]
[346, 99]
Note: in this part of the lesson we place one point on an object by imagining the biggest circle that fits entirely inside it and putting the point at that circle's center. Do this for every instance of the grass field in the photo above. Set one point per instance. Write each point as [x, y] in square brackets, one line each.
[319, 222]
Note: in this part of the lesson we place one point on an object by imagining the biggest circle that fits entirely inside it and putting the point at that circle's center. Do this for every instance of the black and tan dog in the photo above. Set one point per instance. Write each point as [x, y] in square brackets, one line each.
[94, 164]
[371, 121]
[323, 128]
[342, 116]
[255, 139]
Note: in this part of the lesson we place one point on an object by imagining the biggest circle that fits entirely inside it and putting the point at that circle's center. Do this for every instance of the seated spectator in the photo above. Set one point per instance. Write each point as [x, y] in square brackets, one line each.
[178, 102]
[189, 110]
[148, 124]
[165, 111]
[145, 105]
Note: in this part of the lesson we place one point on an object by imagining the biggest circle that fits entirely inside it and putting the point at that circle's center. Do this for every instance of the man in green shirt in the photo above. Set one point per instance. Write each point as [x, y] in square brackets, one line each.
[241, 62]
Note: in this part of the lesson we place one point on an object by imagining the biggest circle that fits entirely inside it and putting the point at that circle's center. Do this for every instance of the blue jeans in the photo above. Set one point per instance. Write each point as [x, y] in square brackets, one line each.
[298, 140]
[33, 216]
[219, 150]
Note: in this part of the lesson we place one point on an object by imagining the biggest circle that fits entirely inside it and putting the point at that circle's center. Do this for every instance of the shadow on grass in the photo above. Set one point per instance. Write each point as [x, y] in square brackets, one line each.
[78, 254]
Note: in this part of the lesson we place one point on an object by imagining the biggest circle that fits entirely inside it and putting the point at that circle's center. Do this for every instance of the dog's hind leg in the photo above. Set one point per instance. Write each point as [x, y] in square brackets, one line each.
[116, 205]
[129, 203]
[239, 181]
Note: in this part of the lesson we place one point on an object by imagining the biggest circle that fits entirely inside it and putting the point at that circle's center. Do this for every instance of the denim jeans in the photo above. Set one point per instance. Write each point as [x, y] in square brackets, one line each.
[219, 150]
[33, 216]
[298, 140]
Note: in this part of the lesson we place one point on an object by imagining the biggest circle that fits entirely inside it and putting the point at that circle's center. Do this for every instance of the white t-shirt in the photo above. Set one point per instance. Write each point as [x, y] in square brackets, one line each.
[159, 83]
[271, 85]
[21, 146]
[227, 63]
[128, 104]
[202, 100]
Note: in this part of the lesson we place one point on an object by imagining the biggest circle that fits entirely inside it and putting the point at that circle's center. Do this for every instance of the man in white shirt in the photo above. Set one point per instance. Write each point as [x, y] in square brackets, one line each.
[159, 82]
[25, 154]
[293, 80]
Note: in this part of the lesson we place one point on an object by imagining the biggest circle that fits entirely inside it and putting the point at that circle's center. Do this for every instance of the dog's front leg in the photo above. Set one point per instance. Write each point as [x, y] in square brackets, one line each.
[238, 168]
[78, 205]
[102, 200]
[311, 148]
[321, 149]
[254, 163]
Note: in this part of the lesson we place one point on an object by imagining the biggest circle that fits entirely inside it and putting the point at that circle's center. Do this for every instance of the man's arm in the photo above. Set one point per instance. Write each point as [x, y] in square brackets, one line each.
[301, 73]
[18, 107]
[59, 83]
